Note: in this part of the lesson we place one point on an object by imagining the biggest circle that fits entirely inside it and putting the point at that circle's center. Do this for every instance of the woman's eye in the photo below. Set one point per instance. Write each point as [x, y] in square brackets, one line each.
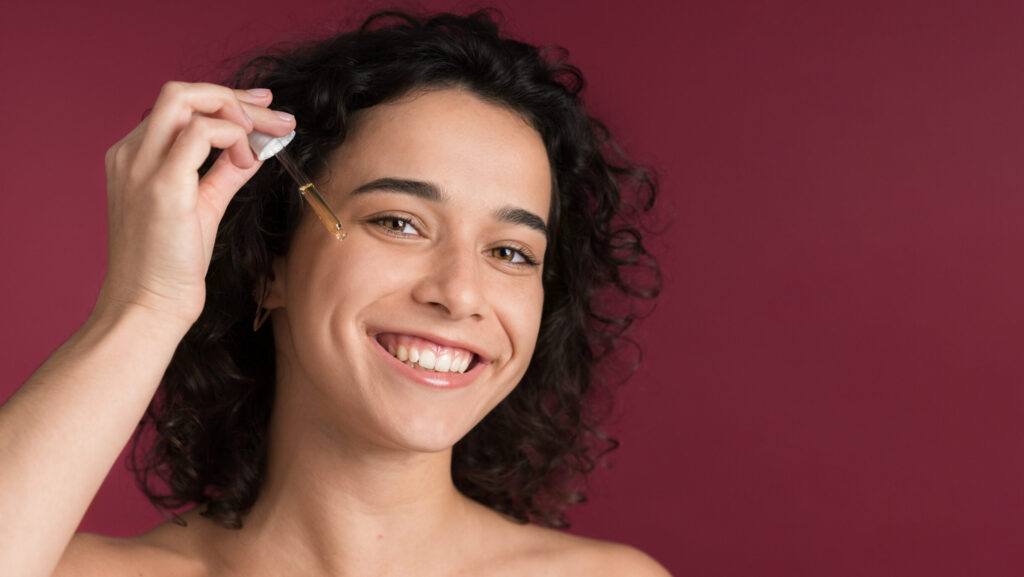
[397, 225]
[510, 255]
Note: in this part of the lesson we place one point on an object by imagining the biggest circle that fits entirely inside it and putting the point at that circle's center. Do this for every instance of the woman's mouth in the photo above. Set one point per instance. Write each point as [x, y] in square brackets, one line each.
[425, 355]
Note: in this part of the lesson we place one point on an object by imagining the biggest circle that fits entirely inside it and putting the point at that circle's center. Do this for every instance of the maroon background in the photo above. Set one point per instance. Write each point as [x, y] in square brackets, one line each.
[832, 379]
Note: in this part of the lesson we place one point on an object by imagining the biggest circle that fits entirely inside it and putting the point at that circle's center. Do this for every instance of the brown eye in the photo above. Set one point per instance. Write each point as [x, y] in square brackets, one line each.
[512, 256]
[396, 225]
[504, 253]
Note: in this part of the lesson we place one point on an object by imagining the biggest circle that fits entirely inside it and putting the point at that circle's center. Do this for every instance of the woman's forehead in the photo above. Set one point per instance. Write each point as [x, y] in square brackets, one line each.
[450, 137]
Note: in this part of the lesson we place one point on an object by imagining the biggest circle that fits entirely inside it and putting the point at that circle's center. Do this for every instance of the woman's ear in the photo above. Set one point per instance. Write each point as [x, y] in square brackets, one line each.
[276, 284]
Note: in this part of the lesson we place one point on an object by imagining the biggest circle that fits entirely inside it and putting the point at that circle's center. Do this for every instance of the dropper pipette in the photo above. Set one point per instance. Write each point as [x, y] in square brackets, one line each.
[266, 146]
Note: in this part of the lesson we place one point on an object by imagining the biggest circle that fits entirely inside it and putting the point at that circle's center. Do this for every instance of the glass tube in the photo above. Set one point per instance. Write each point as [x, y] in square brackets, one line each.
[309, 192]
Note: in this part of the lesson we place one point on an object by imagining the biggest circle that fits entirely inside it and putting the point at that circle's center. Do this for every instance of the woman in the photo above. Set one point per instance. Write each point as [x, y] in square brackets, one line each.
[421, 390]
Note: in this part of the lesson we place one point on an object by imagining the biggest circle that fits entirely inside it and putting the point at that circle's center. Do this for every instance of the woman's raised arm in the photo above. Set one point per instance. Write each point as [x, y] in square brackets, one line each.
[62, 431]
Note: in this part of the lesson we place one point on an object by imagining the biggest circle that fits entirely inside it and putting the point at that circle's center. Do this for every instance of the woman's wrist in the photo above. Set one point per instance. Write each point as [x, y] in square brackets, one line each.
[159, 327]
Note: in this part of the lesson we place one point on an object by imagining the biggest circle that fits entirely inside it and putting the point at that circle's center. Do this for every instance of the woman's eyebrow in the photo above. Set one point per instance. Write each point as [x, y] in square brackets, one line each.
[418, 188]
[522, 216]
[430, 191]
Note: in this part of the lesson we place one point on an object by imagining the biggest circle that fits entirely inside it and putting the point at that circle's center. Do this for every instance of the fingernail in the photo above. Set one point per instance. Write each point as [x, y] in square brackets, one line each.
[284, 116]
[247, 119]
[259, 92]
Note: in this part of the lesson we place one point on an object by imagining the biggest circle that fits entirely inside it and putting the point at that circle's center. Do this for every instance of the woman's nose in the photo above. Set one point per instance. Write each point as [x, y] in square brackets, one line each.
[451, 282]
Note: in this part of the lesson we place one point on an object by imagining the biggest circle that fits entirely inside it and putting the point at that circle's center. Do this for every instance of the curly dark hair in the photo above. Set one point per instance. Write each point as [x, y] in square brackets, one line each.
[527, 458]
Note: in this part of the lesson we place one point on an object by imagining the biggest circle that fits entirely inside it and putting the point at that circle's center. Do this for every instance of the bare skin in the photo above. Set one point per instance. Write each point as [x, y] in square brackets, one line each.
[503, 548]
[358, 479]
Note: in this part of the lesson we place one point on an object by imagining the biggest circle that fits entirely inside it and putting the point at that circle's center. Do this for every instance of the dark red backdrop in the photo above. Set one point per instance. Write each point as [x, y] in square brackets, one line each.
[832, 384]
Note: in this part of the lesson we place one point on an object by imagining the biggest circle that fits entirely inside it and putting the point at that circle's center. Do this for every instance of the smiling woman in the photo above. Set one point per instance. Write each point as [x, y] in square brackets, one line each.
[418, 272]
[431, 375]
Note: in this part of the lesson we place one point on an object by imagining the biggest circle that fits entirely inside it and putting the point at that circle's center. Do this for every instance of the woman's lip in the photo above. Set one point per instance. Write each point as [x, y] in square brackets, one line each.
[438, 380]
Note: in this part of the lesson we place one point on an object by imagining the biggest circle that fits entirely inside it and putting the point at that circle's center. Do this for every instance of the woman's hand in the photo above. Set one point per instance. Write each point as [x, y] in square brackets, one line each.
[94, 389]
[163, 215]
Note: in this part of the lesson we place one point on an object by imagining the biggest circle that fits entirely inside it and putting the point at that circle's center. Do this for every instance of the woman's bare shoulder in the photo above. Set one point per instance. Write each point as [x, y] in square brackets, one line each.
[148, 555]
[542, 551]
[595, 558]
[615, 560]
[508, 548]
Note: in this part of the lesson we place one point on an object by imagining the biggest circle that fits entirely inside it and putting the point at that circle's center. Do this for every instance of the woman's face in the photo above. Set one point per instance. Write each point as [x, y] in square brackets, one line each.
[445, 200]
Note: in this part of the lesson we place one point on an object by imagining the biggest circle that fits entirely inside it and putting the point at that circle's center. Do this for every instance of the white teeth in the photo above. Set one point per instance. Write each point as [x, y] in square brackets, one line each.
[427, 360]
[443, 363]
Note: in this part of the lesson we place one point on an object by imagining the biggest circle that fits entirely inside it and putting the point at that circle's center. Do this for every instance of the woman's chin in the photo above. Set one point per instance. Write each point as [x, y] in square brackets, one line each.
[427, 437]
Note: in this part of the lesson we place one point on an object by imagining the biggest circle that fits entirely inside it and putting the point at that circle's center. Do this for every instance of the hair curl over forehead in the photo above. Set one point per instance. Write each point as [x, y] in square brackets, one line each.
[525, 459]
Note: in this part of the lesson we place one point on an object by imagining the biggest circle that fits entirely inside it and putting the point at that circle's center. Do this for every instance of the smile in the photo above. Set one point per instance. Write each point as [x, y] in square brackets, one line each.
[425, 355]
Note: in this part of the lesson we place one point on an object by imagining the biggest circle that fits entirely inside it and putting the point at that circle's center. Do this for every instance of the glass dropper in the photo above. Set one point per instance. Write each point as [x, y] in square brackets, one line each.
[266, 146]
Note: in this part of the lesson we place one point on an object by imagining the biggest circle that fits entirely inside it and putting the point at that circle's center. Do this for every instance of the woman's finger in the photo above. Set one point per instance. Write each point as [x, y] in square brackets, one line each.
[258, 96]
[192, 147]
[177, 104]
[218, 186]
[179, 100]
[272, 122]
[193, 144]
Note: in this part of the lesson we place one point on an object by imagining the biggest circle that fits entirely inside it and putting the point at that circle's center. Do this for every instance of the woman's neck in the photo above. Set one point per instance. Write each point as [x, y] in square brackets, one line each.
[334, 505]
